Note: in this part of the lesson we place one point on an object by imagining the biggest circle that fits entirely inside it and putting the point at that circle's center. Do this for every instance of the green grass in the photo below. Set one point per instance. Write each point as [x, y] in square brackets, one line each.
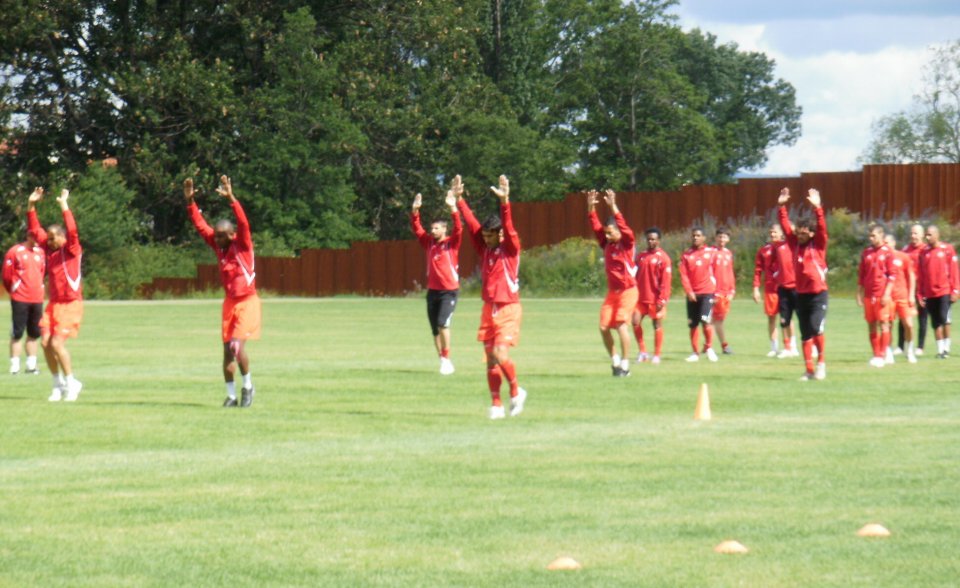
[358, 465]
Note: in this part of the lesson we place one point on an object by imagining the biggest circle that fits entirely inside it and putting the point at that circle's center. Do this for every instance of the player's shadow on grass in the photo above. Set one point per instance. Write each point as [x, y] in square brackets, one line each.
[157, 403]
[16, 398]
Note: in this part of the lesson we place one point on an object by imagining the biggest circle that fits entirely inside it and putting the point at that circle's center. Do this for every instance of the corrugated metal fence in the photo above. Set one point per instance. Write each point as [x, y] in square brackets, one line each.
[397, 267]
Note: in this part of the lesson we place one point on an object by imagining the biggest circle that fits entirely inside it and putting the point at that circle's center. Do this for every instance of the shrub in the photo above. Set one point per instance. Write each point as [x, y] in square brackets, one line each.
[571, 268]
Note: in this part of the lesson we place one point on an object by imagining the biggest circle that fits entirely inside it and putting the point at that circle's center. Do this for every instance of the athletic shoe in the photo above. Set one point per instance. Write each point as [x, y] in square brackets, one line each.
[14, 372]
[712, 355]
[642, 357]
[655, 360]
[918, 351]
[623, 373]
[617, 372]
[73, 391]
[246, 397]
[941, 356]
[772, 353]
[230, 402]
[496, 412]
[727, 350]
[888, 357]
[33, 372]
[807, 376]
[821, 373]
[693, 357]
[446, 366]
[516, 403]
[897, 351]
[785, 354]
[911, 358]
[876, 362]
[56, 395]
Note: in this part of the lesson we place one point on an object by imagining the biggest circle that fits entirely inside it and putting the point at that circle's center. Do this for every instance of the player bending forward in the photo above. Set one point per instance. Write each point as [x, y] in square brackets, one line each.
[498, 245]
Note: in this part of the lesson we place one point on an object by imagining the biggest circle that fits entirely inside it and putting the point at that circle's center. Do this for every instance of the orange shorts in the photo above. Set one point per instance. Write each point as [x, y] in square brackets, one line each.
[62, 318]
[241, 318]
[771, 303]
[500, 324]
[875, 311]
[721, 306]
[651, 311]
[904, 310]
[618, 308]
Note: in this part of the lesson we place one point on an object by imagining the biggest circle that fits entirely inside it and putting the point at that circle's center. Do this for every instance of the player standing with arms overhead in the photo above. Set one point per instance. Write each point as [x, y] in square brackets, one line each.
[64, 312]
[903, 294]
[443, 270]
[913, 249]
[498, 244]
[24, 266]
[699, 284]
[654, 274]
[241, 305]
[617, 241]
[874, 288]
[939, 286]
[726, 286]
[809, 248]
[765, 269]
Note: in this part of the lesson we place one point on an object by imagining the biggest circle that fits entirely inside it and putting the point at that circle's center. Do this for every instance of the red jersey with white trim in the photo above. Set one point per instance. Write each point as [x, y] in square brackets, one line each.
[809, 259]
[237, 264]
[723, 272]
[938, 273]
[63, 265]
[443, 257]
[786, 272]
[765, 264]
[876, 270]
[696, 270]
[913, 252]
[654, 274]
[617, 257]
[902, 271]
[500, 265]
[23, 270]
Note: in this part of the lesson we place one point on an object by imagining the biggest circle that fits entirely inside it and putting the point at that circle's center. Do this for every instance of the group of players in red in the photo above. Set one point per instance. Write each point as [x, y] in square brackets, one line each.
[923, 280]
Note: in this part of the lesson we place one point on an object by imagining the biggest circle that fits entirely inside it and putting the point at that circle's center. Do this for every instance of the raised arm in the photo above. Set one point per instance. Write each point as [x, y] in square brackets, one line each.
[473, 225]
[415, 225]
[595, 225]
[511, 240]
[69, 224]
[456, 231]
[244, 238]
[33, 223]
[196, 217]
[626, 233]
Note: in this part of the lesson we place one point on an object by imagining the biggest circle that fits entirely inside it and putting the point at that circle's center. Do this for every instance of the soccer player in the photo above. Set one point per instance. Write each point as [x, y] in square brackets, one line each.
[617, 241]
[808, 245]
[24, 266]
[654, 273]
[699, 284]
[443, 267]
[786, 297]
[939, 286]
[903, 294]
[64, 312]
[874, 287]
[765, 269]
[913, 250]
[241, 305]
[726, 286]
[498, 245]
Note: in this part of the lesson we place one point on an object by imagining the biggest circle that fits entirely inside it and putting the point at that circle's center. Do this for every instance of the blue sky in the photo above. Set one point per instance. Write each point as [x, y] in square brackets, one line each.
[851, 62]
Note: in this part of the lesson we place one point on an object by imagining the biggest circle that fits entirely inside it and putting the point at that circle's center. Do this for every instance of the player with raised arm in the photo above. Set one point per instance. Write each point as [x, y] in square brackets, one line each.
[875, 279]
[498, 245]
[240, 317]
[443, 269]
[24, 266]
[808, 244]
[699, 285]
[654, 274]
[64, 313]
[617, 241]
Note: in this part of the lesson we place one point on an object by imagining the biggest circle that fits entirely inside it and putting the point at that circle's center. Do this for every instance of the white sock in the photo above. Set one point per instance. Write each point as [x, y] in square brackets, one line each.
[31, 362]
[58, 381]
[615, 359]
[773, 344]
[14, 364]
[946, 344]
[909, 348]
[625, 365]
[940, 345]
[70, 380]
[247, 381]
[231, 390]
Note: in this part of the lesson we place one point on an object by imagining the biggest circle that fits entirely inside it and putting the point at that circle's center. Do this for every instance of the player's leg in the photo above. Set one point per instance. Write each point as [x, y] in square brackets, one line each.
[693, 324]
[445, 305]
[706, 319]
[923, 314]
[18, 318]
[657, 338]
[637, 321]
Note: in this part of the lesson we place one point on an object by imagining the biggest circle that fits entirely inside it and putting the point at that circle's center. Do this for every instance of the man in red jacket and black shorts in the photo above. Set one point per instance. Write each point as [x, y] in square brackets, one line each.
[24, 266]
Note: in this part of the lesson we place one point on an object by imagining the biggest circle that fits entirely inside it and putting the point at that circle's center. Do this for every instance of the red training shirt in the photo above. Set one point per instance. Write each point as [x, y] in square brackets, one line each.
[902, 271]
[500, 265]
[23, 269]
[723, 272]
[237, 265]
[938, 273]
[617, 257]
[63, 265]
[876, 270]
[810, 259]
[696, 270]
[654, 273]
[443, 257]
[765, 264]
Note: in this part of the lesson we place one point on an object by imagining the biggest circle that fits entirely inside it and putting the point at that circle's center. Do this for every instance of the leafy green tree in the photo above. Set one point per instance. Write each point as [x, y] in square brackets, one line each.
[930, 130]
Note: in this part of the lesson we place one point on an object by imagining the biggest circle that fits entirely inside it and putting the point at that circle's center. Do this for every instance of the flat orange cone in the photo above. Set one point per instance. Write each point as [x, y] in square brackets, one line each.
[702, 412]
[873, 530]
[564, 563]
[731, 547]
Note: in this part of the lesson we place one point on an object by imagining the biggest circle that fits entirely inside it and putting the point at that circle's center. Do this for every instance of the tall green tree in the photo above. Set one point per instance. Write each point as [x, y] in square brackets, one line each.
[930, 130]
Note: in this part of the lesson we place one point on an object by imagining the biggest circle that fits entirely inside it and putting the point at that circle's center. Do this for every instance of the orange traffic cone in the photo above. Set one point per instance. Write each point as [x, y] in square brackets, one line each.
[702, 412]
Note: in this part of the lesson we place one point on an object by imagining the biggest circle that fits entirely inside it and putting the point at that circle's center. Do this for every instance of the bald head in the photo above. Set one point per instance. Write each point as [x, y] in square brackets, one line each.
[933, 235]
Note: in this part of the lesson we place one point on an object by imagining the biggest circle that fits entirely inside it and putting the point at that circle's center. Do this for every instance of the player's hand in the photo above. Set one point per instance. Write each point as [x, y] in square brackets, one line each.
[188, 190]
[813, 197]
[417, 202]
[922, 302]
[692, 297]
[503, 192]
[225, 189]
[456, 186]
[451, 200]
[62, 199]
[784, 196]
[610, 197]
[756, 295]
[36, 195]
[592, 199]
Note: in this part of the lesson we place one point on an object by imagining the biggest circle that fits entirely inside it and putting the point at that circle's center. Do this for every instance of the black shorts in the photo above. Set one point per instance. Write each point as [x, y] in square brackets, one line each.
[787, 302]
[440, 307]
[812, 314]
[26, 317]
[699, 311]
[939, 310]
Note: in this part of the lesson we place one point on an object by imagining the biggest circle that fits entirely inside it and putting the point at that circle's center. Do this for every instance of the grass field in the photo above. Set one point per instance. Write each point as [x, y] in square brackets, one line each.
[358, 465]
